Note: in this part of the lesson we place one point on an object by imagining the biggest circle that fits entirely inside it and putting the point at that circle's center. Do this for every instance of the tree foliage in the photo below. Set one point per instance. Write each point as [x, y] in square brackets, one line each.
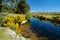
[0, 5]
[22, 7]
[9, 5]
[15, 6]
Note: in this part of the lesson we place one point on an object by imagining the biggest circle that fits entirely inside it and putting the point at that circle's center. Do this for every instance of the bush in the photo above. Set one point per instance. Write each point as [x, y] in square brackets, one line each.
[28, 15]
[13, 21]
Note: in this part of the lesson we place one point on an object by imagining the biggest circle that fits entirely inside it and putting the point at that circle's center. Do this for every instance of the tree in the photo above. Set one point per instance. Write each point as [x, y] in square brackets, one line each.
[15, 6]
[22, 7]
[0, 5]
[9, 5]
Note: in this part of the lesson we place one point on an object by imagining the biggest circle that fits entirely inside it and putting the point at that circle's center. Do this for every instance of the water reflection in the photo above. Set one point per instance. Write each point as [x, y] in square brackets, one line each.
[45, 28]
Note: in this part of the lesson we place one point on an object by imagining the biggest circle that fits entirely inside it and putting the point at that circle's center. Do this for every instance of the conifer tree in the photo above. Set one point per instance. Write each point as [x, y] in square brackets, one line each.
[23, 7]
[0, 5]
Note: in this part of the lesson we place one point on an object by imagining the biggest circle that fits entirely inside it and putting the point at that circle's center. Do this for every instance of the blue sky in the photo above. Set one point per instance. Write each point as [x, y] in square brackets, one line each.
[44, 5]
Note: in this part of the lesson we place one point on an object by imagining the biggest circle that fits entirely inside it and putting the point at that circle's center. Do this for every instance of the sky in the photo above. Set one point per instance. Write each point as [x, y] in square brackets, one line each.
[44, 5]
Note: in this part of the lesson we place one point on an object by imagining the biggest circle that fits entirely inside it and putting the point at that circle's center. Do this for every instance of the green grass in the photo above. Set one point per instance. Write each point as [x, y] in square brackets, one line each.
[4, 36]
[49, 16]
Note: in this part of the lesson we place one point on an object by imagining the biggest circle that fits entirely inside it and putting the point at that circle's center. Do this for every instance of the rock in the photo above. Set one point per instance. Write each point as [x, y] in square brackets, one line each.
[14, 35]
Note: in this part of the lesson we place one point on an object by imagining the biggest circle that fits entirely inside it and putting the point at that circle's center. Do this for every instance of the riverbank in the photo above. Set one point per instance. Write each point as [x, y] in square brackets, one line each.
[8, 34]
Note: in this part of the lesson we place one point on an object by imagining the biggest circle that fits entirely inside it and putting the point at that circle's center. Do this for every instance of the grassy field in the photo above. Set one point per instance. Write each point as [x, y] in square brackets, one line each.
[4, 36]
[49, 16]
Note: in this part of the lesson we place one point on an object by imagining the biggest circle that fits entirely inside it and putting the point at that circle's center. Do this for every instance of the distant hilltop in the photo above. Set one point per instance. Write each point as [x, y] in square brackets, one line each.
[46, 13]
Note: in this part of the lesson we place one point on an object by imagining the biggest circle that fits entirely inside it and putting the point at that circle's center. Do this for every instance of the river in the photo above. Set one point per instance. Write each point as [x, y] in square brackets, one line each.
[45, 28]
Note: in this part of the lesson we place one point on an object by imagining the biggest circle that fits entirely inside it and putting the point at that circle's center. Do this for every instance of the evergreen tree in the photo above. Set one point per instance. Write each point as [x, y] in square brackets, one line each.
[0, 5]
[22, 7]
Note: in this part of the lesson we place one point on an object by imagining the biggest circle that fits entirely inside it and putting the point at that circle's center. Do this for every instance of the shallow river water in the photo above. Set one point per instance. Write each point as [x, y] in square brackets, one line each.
[45, 27]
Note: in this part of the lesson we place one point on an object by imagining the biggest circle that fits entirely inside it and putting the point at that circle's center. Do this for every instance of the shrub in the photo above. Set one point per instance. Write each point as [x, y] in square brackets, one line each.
[13, 21]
